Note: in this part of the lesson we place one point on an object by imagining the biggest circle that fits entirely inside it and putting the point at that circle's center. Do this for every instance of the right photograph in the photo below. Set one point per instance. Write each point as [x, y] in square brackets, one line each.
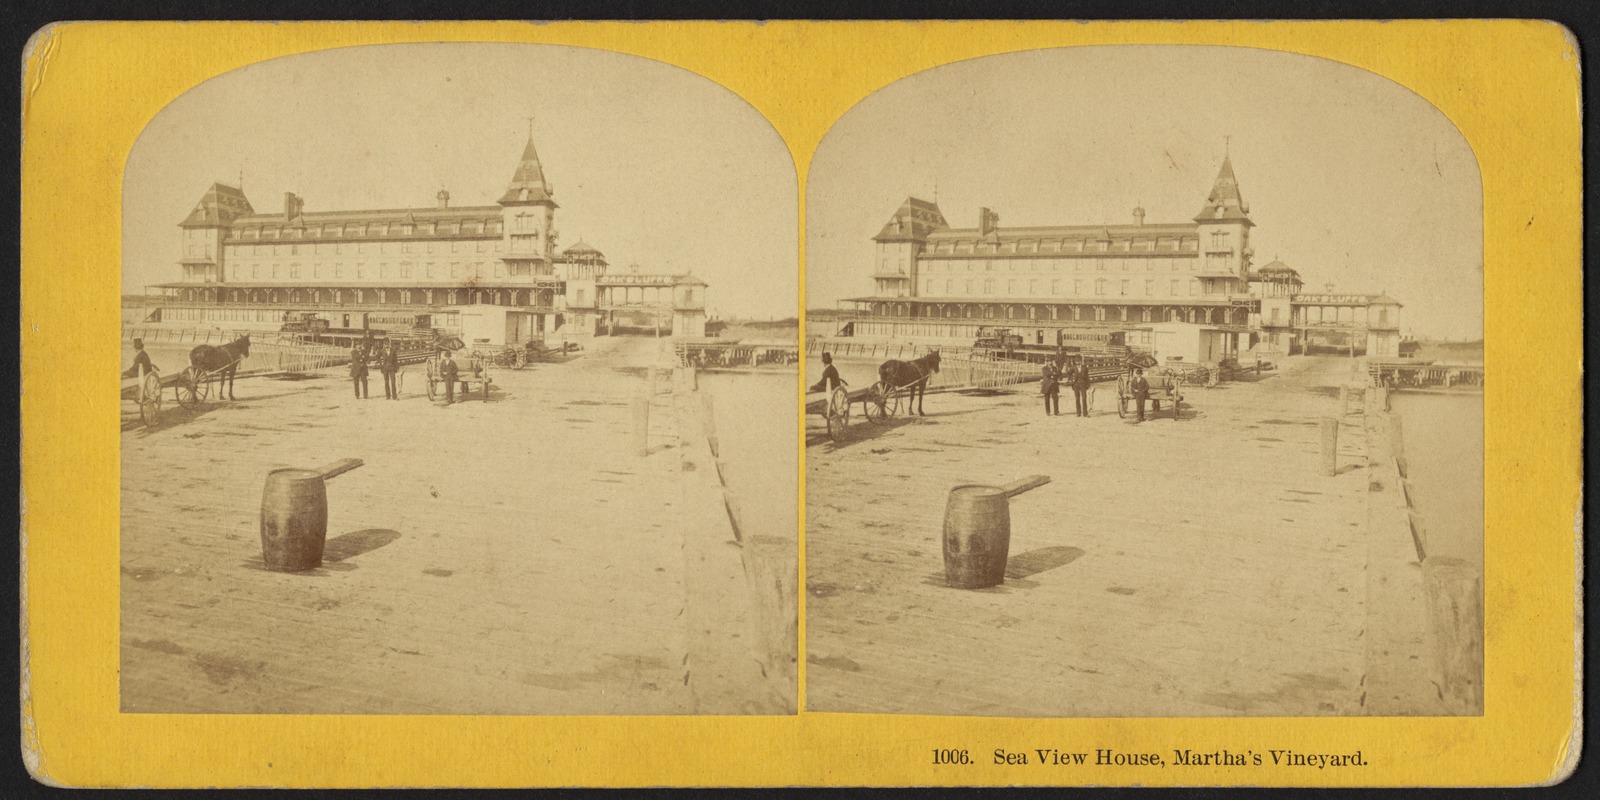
[1145, 381]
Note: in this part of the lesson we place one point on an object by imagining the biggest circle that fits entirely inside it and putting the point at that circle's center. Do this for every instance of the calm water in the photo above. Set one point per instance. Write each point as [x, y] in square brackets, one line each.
[1444, 453]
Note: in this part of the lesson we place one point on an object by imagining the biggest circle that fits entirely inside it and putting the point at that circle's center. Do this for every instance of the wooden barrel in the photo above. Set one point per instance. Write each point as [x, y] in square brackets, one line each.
[977, 536]
[294, 519]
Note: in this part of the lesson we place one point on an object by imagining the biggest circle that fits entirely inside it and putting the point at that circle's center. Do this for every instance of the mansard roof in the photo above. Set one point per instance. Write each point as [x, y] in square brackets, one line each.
[914, 221]
[220, 205]
[1087, 233]
[312, 222]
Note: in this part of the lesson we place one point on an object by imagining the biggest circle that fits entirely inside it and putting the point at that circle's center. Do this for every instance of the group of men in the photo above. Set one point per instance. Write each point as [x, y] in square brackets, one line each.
[369, 353]
[1074, 372]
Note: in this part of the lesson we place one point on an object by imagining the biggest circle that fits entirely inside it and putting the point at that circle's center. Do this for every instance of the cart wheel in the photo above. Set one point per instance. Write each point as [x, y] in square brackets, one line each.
[838, 413]
[191, 388]
[1122, 407]
[433, 390]
[1088, 400]
[150, 399]
[874, 405]
[891, 404]
[1177, 408]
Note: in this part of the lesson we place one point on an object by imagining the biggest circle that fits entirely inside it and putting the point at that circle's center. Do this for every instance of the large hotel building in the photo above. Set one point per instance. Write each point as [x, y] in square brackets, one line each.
[491, 270]
[937, 282]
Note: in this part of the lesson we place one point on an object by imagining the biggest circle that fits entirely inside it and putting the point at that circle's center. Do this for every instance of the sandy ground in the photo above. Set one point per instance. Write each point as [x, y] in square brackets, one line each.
[1172, 568]
[514, 556]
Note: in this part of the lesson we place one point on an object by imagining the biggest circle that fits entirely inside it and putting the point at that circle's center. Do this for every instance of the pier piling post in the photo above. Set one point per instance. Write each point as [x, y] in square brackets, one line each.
[1330, 446]
[1454, 589]
[641, 426]
[1397, 443]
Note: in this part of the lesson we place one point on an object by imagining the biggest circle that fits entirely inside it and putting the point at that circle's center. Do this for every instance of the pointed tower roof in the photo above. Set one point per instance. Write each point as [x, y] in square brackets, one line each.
[1225, 204]
[915, 219]
[583, 248]
[221, 205]
[528, 186]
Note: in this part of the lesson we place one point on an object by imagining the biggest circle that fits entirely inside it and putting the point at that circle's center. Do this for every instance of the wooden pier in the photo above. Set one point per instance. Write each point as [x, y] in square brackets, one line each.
[1204, 569]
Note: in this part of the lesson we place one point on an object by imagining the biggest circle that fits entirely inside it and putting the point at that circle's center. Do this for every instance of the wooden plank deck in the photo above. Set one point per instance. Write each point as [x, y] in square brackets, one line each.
[513, 556]
[1202, 567]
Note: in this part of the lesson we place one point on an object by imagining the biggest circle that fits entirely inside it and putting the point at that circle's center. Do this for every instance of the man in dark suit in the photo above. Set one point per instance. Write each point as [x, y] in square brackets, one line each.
[830, 376]
[1141, 391]
[358, 371]
[1080, 386]
[1051, 384]
[141, 361]
[449, 371]
[389, 364]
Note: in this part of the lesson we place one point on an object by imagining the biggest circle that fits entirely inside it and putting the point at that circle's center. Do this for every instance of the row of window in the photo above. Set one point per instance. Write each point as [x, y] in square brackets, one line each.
[334, 229]
[516, 297]
[1064, 265]
[340, 248]
[1140, 245]
[1034, 287]
[1210, 316]
[383, 269]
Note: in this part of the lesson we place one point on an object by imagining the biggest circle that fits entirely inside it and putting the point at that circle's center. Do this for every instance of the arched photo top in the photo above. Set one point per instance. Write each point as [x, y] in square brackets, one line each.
[1350, 178]
[650, 164]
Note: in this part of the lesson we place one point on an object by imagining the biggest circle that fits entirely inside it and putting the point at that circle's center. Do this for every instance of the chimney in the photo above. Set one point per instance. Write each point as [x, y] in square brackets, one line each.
[444, 199]
[292, 205]
[988, 221]
[1138, 216]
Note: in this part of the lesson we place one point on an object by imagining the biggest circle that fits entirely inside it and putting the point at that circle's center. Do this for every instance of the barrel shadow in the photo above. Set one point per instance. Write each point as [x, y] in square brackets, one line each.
[1033, 562]
[356, 543]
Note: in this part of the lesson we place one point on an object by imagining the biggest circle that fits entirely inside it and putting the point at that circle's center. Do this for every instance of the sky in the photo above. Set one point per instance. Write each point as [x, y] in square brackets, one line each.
[1351, 178]
[650, 163]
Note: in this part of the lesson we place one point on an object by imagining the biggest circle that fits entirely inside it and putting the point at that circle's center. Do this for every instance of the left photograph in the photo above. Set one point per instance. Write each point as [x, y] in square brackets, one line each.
[459, 379]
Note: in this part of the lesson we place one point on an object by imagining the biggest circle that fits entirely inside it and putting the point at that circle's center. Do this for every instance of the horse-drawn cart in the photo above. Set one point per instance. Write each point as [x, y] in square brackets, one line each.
[467, 374]
[834, 408]
[1163, 388]
[146, 392]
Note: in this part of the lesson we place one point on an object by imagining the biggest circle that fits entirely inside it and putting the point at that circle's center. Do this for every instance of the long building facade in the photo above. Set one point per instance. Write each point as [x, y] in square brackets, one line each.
[245, 268]
[933, 281]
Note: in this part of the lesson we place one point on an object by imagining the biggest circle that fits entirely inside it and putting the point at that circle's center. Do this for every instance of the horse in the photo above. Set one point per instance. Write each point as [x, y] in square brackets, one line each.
[221, 361]
[913, 374]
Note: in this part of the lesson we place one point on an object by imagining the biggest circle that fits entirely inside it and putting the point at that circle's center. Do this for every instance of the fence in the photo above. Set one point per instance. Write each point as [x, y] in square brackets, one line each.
[714, 356]
[884, 350]
[295, 357]
[270, 351]
[972, 373]
[1399, 375]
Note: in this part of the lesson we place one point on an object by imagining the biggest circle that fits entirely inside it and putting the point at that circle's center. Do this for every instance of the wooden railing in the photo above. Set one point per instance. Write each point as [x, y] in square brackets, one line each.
[1402, 375]
[270, 352]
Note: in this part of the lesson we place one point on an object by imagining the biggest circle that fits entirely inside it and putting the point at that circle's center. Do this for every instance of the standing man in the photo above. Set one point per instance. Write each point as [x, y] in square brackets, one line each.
[1080, 386]
[1051, 384]
[1141, 391]
[449, 371]
[358, 371]
[389, 365]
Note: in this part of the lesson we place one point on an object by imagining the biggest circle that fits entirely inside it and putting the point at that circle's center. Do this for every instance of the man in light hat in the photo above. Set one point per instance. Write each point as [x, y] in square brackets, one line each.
[141, 361]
